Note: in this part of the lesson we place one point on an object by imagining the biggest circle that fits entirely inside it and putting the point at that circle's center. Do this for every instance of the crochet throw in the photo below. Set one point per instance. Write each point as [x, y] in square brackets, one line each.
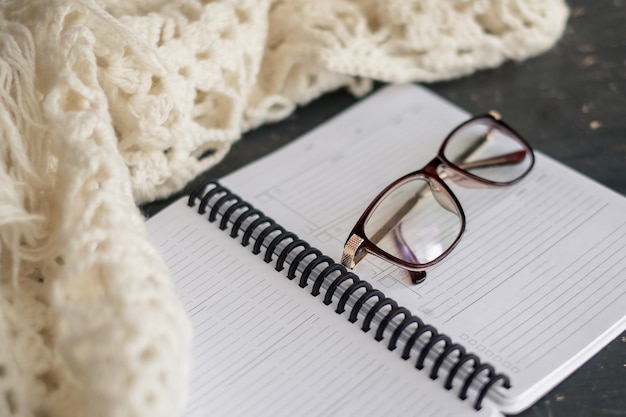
[107, 104]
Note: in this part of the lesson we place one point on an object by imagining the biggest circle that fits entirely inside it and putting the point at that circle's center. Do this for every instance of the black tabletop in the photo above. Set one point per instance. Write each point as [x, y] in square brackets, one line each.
[570, 103]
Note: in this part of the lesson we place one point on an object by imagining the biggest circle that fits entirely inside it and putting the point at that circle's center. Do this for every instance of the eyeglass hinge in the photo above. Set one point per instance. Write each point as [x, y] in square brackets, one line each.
[349, 251]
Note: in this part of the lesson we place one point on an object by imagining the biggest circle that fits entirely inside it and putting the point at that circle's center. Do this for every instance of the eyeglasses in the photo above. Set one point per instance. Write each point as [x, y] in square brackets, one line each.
[416, 221]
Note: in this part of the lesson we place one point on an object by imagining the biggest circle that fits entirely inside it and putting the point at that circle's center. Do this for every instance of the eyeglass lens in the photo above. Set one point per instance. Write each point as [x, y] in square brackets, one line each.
[416, 222]
[488, 152]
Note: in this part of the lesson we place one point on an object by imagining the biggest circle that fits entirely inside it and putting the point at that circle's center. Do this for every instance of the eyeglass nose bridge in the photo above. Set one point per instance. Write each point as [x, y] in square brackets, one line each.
[434, 177]
[432, 168]
[439, 168]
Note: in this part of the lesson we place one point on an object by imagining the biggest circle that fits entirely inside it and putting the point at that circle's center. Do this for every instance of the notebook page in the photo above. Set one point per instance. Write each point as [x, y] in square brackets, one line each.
[536, 285]
[265, 347]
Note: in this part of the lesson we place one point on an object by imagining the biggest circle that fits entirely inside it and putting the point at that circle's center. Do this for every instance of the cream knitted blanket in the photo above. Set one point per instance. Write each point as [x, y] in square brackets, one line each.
[105, 105]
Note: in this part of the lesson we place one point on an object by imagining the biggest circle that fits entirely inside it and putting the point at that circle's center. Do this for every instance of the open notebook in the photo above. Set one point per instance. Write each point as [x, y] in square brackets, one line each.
[535, 287]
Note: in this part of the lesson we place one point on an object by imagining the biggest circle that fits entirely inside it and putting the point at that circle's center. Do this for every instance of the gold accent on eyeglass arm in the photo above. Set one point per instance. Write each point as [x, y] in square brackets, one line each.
[495, 114]
[350, 258]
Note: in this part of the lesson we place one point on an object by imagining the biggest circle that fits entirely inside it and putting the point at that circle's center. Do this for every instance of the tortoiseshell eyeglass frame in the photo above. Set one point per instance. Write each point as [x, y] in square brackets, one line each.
[358, 245]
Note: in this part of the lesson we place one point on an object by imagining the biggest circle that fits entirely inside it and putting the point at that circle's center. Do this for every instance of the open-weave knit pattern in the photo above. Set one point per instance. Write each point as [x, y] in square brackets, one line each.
[104, 105]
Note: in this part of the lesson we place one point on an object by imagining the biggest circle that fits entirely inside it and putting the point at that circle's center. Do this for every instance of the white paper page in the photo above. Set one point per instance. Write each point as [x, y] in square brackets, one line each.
[263, 346]
[536, 285]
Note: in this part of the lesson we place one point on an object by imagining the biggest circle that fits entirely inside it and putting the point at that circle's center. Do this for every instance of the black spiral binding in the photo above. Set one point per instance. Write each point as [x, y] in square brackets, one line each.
[214, 196]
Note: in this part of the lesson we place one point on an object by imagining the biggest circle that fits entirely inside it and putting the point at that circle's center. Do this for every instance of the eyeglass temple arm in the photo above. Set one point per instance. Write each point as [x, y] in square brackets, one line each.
[351, 258]
[417, 277]
[350, 255]
[506, 159]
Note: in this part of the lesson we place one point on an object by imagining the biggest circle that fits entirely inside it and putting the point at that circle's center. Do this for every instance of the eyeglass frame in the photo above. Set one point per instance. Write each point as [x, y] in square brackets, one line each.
[358, 244]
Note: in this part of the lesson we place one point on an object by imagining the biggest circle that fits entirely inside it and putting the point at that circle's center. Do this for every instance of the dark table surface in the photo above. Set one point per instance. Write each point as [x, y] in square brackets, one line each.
[570, 103]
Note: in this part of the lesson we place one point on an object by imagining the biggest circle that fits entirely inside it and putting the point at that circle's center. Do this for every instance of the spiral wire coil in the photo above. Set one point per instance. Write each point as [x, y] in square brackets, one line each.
[352, 294]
